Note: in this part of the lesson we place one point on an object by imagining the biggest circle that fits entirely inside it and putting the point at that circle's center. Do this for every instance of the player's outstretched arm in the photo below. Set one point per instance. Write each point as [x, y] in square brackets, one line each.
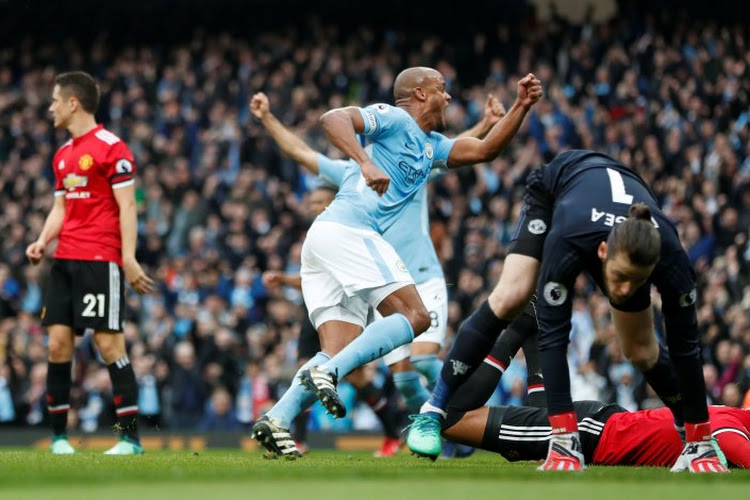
[341, 126]
[125, 197]
[470, 428]
[469, 150]
[50, 230]
[290, 144]
[736, 447]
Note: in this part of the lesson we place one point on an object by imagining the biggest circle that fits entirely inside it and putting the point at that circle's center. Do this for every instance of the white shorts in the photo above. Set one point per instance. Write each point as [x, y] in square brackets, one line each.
[434, 295]
[346, 270]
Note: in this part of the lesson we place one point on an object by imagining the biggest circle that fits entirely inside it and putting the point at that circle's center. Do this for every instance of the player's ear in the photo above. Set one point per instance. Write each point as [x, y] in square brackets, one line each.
[73, 103]
[419, 93]
[602, 251]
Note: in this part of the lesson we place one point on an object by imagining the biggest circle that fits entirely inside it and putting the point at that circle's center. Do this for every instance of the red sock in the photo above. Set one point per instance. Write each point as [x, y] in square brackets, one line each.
[697, 432]
[564, 423]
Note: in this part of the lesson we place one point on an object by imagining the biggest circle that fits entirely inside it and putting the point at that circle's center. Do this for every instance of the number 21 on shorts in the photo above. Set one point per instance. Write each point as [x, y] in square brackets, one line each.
[94, 305]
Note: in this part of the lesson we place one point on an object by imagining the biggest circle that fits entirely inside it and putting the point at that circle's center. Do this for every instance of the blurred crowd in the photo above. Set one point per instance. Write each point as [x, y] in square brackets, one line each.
[218, 204]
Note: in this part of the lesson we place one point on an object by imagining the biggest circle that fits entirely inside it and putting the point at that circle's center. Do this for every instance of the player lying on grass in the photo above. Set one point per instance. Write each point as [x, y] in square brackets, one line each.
[610, 434]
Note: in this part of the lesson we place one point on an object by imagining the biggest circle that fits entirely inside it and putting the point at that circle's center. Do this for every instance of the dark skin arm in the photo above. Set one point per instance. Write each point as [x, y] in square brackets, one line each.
[470, 151]
[341, 126]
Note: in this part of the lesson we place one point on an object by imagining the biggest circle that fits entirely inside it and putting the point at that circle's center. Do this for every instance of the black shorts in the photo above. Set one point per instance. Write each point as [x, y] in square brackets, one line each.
[308, 344]
[522, 432]
[533, 224]
[85, 294]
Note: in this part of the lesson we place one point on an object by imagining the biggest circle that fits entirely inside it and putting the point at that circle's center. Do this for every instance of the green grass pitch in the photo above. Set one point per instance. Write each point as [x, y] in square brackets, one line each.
[229, 474]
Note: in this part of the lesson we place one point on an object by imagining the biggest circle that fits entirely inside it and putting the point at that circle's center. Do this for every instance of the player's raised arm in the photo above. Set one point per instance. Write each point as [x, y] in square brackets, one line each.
[290, 144]
[341, 126]
[469, 150]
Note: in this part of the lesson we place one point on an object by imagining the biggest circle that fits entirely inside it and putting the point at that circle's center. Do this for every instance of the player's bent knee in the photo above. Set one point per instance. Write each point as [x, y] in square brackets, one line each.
[643, 357]
[59, 351]
[507, 302]
[419, 320]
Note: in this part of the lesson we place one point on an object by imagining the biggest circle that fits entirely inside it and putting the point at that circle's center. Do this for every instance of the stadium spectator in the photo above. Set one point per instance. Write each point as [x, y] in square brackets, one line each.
[187, 390]
[219, 415]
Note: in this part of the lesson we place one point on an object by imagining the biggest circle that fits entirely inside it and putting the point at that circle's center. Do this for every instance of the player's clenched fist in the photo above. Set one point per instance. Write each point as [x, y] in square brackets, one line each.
[375, 178]
[529, 90]
[35, 252]
[259, 105]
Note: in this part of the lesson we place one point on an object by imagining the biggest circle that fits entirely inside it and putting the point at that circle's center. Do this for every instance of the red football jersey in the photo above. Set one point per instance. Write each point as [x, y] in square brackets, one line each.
[87, 169]
[649, 437]
[731, 428]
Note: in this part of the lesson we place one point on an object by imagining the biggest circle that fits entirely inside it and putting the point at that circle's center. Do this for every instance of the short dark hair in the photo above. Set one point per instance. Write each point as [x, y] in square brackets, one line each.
[637, 237]
[81, 85]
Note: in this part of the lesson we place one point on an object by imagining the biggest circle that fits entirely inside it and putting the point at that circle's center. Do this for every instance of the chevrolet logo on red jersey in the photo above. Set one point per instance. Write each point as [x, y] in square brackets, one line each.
[72, 181]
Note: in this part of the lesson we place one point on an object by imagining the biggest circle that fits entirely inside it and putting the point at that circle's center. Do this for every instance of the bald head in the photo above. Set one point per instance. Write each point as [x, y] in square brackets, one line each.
[411, 78]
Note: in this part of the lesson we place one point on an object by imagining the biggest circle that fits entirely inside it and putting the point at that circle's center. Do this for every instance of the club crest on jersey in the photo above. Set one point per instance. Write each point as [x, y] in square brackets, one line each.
[537, 226]
[555, 293]
[428, 151]
[688, 299]
[72, 181]
[86, 161]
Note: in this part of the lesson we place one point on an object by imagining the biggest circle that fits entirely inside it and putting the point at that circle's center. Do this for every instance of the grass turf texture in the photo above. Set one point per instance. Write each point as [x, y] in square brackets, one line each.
[228, 474]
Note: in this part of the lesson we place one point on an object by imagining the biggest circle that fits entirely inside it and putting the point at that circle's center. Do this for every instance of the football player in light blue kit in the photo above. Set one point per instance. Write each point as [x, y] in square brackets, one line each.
[416, 250]
[347, 266]
[410, 237]
[346, 239]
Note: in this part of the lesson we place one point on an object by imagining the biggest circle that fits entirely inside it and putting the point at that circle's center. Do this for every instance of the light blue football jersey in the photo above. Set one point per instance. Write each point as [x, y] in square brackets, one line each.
[409, 235]
[405, 153]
